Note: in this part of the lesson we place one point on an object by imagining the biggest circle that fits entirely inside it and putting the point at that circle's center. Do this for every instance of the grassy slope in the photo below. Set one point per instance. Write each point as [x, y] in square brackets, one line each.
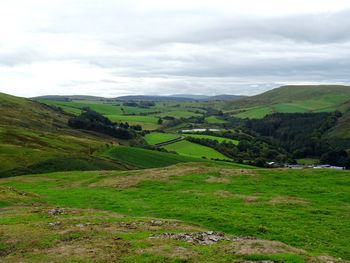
[341, 132]
[112, 110]
[35, 138]
[143, 158]
[293, 99]
[214, 119]
[210, 137]
[159, 137]
[304, 208]
[178, 114]
[195, 150]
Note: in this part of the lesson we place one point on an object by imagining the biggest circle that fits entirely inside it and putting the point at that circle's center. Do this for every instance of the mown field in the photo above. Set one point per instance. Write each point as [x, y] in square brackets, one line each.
[306, 209]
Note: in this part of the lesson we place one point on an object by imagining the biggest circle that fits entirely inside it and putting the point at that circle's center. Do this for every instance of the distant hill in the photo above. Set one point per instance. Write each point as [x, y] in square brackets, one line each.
[225, 97]
[291, 99]
[153, 98]
[176, 97]
[329, 94]
[182, 97]
[68, 97]
[190, 96]
[341, 132]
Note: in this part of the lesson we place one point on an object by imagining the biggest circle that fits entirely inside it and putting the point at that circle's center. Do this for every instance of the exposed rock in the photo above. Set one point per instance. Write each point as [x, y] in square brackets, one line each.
[204, 238]
[56, 211]
[156, 222]
[53, 224]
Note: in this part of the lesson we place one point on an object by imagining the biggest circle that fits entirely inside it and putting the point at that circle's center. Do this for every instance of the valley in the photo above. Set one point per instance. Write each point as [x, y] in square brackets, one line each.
[91, 179]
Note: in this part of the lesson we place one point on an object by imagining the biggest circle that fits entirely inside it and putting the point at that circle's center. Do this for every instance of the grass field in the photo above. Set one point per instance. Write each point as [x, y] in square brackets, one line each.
[159, 137]
[214, 119]
[142, 158]
[178, 114]
[210, 137]
[254, 113]
[306, 209]
[192, 149]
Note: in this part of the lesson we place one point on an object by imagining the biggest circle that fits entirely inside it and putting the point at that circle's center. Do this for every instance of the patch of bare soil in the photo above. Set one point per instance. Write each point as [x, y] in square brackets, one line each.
[133, 178]
[203, 238]
[281, 199]
[249, 247]
[325, 259]
[245, 198]
[159, 248]
[224, 175]
[95, 249]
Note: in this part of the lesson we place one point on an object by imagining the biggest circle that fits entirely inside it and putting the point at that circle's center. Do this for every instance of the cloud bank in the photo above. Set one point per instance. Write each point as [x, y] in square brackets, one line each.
[111, 48]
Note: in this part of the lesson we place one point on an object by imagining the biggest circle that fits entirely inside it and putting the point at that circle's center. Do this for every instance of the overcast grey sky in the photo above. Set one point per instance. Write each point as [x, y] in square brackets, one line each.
[113, 47]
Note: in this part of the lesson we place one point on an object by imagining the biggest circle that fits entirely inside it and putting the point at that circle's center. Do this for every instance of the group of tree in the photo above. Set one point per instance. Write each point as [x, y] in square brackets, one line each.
[256, 151]
[301, 135]
[94, 121]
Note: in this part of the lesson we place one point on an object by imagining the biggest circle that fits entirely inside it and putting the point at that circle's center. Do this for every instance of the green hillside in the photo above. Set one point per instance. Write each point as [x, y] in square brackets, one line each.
[341, 132]
[291, 99]
[35, 138]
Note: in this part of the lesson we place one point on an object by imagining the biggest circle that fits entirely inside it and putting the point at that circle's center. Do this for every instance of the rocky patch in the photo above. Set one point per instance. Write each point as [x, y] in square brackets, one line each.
[203, 238]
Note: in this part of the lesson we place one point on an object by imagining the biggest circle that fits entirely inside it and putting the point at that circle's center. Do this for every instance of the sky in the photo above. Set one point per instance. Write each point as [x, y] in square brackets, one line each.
[159, 47]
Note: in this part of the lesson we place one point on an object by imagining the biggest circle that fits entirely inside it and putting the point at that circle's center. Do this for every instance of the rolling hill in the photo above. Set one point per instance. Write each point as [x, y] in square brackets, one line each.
[292, 99]
[35, 138]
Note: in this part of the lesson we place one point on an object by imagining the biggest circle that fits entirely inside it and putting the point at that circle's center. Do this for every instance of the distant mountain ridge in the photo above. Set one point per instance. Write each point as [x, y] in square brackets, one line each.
[292, 93]
[175, 97]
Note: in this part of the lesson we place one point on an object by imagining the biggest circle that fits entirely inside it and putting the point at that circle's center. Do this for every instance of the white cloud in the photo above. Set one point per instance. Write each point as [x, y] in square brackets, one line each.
[115, 48]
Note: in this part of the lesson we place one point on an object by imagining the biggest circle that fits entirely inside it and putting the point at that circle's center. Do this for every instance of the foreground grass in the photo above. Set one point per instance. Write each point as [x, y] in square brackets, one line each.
[34, 234]
[307, 209]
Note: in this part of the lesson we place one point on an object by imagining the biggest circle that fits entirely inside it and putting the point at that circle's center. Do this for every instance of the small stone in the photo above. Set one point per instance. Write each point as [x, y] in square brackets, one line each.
[56, 211]
[54, 223]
